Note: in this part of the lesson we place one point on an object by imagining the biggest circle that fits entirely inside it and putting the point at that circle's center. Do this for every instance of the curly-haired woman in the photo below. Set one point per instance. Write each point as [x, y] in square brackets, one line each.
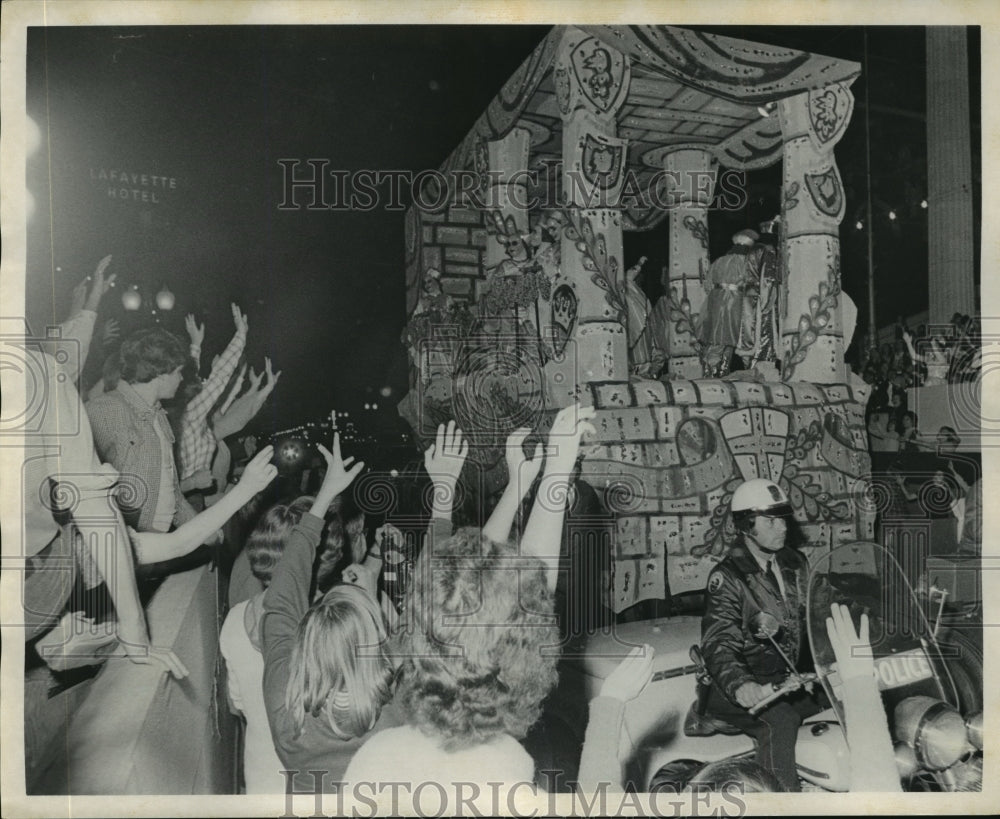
[480, 643]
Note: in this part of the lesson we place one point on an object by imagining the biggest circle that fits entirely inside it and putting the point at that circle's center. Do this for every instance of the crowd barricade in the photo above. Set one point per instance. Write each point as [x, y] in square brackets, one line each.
[139, 731]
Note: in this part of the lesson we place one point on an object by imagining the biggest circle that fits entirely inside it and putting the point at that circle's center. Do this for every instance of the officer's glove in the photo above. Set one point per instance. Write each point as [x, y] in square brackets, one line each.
[750, 693]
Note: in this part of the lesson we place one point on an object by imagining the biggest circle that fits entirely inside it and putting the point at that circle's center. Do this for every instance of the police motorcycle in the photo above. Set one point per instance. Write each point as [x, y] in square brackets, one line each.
[937, 747]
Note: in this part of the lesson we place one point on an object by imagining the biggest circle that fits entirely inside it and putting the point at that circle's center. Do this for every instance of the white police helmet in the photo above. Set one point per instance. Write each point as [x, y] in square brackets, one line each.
[762, 497]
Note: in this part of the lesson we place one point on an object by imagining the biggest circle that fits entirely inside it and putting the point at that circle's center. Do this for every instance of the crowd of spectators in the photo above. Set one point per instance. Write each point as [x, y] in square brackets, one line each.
[925, 474]
[441, 681]
[930, 356]
[319, 658]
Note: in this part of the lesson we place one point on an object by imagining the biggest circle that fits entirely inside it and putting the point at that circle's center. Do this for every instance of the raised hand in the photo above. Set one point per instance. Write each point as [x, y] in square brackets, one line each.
[110, 331]
[631, 675]
[569, 426]
[240, 319]
[445, 458]
[99, 285]
[195, 331]
[339, 474]
[259, 472]
[255, 379]
[519, 467]
[853, 649]
[272, 377]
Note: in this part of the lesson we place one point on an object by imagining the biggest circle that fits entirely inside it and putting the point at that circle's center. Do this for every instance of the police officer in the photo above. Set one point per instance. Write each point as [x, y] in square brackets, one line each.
[760, 574]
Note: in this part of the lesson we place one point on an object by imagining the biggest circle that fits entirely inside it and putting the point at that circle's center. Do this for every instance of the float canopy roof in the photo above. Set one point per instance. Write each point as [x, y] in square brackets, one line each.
[687, 89]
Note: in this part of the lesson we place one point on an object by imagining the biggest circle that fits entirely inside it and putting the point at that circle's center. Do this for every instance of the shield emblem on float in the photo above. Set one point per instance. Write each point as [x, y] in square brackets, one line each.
[826, 191]
[756, 438]
[564, 309]
[602, 161]
[829, 113]
[601, 74]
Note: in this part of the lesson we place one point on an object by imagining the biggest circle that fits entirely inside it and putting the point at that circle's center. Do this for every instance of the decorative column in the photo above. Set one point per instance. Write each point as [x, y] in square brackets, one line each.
[588, 302]
[812, 333]
[507, 196]
[690, 178]
[949, 175]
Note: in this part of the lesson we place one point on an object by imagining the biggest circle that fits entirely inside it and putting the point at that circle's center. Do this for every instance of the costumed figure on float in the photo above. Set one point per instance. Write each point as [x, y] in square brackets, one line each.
[760, 329]
[646, 358]
[723, 313]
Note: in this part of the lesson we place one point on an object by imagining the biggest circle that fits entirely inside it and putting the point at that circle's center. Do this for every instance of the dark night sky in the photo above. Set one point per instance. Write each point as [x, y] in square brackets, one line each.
[217, 107]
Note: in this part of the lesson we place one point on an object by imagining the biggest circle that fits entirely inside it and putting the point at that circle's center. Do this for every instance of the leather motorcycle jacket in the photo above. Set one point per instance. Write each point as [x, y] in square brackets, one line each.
[738, 588]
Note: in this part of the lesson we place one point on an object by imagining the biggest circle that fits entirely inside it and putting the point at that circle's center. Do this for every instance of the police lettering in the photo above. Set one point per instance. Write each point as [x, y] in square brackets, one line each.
[902, 669]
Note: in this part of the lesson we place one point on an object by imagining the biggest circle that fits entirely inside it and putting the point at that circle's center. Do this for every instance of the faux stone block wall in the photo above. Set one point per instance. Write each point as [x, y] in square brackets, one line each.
[452, 241]
[671, 497]
[669, 454]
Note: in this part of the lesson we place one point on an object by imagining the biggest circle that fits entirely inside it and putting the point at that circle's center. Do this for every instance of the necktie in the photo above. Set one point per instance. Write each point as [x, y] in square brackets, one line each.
[772, 566]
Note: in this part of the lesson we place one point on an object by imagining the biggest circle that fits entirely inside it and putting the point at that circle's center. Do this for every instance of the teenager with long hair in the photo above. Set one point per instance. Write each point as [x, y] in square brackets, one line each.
[327, 677]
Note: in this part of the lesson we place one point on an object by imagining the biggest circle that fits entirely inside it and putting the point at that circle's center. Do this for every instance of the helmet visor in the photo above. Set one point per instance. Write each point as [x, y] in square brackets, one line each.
[779, 510]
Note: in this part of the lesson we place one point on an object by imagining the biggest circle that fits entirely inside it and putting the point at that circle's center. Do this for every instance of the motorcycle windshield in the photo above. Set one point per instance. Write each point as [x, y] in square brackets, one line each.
[864, 577]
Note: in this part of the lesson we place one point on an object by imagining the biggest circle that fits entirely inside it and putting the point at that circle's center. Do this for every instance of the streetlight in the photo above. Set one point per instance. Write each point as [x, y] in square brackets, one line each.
[131, 298]
[165, 299]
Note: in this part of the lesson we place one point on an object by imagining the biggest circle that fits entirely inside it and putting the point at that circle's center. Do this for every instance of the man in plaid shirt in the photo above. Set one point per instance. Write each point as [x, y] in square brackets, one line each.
[198, 442]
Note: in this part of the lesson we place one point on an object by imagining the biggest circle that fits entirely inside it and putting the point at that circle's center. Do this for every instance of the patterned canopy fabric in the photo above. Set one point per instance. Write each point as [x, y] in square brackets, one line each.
[687, 89]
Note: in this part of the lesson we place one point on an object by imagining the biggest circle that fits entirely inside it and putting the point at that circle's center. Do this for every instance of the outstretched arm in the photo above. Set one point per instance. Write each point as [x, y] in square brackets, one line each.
[79, 326]
[543, 532]
[152, 547]
[234, 390]
[197, 408]
[244, 408]
[873, 763]
[521, 475]
[600, 764]
[443, 461]
[914, 355]
[196, 334]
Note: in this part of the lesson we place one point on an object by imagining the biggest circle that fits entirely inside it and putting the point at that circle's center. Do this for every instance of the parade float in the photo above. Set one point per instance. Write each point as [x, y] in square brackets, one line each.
[519, 300]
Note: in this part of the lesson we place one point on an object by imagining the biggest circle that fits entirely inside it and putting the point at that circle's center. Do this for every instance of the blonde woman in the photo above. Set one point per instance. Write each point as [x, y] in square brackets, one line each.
[327, 679]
